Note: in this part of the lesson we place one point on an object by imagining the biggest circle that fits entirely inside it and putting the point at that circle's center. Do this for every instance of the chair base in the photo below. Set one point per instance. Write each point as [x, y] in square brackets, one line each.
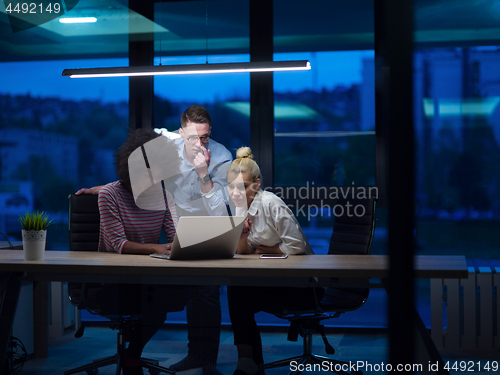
[306, 362]
[91, 369]
[310, 361]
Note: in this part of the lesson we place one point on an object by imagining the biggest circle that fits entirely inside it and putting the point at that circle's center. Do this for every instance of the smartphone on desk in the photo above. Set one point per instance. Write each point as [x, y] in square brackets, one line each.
[274, 256]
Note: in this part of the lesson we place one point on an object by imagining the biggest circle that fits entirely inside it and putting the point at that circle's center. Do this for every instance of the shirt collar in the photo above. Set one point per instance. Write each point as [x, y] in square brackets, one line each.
[255, 205]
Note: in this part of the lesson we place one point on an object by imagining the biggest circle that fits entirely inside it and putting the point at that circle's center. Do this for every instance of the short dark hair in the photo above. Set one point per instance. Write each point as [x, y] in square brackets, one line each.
[136, 139]
[196, 114]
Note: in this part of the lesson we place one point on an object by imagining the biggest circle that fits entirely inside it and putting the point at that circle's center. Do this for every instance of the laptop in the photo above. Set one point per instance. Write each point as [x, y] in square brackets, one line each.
[205, 237]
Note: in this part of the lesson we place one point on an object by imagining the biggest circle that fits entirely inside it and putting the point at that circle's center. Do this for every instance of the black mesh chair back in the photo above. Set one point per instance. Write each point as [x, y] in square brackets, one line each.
[352, 234]
[353, 230]
[84, 223]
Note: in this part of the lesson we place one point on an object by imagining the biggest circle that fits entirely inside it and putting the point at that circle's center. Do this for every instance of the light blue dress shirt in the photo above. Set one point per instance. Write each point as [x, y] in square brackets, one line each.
[187, 190]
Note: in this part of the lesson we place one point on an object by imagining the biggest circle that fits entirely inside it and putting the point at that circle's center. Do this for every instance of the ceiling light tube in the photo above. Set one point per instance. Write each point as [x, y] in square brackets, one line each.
[78, 20]
[132, 71]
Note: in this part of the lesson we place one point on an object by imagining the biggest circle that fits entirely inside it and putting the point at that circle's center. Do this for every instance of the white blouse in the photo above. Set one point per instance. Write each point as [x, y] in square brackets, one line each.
[274, 223]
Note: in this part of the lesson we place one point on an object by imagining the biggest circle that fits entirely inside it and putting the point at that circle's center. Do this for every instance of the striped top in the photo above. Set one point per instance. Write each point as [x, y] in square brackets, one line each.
[122, 220]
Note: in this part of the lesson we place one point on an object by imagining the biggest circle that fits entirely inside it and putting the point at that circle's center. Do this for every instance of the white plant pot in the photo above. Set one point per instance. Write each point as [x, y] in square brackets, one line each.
[34, 244]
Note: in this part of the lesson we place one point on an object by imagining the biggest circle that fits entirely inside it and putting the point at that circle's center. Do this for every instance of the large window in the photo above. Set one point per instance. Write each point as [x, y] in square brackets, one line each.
[325, 121]
[324, 138]
[457, 121]
[324, 126]
[56, 135]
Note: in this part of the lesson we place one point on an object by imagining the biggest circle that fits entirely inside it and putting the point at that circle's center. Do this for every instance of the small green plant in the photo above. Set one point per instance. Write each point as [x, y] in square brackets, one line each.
[34, 221]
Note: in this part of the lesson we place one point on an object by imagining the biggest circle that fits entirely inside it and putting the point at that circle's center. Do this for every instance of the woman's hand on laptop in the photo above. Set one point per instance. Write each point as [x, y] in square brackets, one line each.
[132, 247]
[163, 248]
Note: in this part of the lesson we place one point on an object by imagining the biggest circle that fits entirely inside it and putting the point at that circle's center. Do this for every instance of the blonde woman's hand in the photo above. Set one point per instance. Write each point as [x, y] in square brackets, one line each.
[247, 227]
[268, 249]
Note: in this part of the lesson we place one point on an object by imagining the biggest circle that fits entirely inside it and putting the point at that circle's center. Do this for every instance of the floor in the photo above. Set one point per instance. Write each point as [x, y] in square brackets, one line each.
[169, 346]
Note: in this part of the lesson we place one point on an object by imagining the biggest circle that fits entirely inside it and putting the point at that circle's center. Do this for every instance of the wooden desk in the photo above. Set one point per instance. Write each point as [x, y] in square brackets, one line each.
[242, 270]
[94, 266]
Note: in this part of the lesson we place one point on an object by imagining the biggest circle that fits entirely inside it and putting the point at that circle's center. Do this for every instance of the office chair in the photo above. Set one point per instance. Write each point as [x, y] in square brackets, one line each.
[351, 235]
[84, 236]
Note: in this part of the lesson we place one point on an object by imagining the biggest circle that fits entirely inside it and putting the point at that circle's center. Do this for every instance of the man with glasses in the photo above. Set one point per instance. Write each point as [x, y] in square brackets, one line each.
[199, 190]
[201, 186]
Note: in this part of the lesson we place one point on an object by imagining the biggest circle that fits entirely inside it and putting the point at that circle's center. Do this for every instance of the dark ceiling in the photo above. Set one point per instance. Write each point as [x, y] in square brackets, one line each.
[221, 27]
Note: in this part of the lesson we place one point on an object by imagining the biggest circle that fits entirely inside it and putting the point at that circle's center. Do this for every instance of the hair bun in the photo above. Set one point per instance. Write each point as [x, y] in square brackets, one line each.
[244, 152]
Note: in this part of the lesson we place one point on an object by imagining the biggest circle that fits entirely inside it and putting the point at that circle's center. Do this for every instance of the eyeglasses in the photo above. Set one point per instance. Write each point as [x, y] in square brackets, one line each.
[202, 138]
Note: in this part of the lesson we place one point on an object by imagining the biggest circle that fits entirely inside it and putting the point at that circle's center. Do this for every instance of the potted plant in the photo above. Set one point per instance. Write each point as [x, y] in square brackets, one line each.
[34, 229]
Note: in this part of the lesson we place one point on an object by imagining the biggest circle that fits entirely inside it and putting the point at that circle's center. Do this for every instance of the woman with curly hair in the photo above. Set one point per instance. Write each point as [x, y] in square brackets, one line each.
[126, 228]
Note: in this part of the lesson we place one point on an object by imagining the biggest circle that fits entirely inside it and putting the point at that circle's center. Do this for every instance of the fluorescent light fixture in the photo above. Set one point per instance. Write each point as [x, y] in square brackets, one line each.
[282, 111]
[78, 20]
[460, 107]
[137, 71]
[323, 134]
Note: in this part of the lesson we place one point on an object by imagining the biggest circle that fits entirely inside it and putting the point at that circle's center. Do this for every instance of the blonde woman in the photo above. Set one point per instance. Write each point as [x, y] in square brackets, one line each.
[271, 227]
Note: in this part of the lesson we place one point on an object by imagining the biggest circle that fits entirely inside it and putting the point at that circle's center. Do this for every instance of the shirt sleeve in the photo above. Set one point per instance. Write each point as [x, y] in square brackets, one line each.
[216, 203]
[287, 227]
[111, 223]
[170, 219]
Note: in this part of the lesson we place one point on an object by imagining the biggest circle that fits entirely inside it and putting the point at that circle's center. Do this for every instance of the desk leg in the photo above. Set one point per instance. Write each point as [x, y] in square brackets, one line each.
[11, 287]
[426, 351]
[41, 319]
